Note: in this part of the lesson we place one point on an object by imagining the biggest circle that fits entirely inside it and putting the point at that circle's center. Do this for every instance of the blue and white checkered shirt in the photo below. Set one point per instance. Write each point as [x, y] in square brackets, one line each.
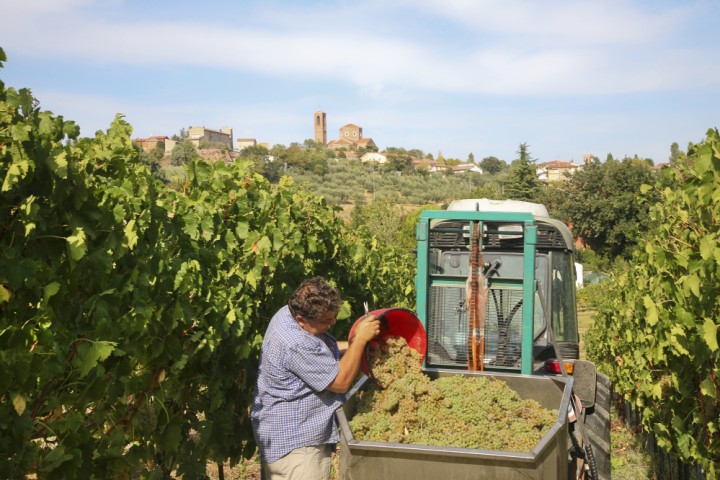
[291, 408]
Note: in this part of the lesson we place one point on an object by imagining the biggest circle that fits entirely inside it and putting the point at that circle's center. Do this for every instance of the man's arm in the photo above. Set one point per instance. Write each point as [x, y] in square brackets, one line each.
[351, 360]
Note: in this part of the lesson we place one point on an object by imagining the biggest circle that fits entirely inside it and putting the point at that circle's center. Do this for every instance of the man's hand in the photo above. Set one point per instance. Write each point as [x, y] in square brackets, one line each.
[366, 330]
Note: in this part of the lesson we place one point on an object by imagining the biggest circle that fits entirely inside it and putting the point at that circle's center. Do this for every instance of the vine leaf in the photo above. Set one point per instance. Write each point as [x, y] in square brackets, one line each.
[652, 313]
[707, 387]
[91, 353]
[76, 244]
[710, 331]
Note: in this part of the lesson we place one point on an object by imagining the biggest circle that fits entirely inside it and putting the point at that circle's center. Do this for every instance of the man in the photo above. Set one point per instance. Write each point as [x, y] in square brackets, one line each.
[302, 381]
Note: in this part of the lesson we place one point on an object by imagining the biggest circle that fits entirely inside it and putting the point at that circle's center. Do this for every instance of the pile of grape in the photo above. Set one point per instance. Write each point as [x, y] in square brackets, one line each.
[454, 411]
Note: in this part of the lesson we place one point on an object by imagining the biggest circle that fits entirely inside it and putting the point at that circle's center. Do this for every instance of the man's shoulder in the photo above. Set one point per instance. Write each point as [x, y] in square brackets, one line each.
[284, 331]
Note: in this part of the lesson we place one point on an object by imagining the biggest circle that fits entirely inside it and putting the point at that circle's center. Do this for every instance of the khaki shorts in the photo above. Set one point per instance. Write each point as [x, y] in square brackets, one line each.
[304, 463]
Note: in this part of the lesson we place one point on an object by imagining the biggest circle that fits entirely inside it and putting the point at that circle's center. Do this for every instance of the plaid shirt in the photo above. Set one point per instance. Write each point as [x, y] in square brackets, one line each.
[291, 408]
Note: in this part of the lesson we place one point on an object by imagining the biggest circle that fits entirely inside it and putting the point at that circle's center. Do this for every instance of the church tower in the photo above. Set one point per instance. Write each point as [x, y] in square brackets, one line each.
[320, 128]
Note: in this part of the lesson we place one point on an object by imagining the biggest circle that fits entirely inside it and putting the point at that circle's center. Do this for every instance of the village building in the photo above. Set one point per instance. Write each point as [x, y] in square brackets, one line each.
[556, 170]
[429, 165]
[351, 135]
[376, 157]
[150, 143]
[198, 135]
[467, 167]
[243, 143]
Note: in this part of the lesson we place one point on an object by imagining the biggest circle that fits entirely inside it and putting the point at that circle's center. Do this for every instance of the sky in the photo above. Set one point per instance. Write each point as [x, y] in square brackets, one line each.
[566, 77]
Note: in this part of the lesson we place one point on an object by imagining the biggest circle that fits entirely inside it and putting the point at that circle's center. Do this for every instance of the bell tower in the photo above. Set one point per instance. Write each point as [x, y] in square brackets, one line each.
[320, 128]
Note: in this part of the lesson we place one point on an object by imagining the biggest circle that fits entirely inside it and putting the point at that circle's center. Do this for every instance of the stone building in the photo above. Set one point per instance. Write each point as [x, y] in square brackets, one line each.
[243, 143]
[320, 128]
[351, 136]
[556, 170]
[223, 136]
[148, 144]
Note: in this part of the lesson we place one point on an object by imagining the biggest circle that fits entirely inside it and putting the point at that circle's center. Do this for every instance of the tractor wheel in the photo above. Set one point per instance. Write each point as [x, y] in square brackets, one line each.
[597, 427]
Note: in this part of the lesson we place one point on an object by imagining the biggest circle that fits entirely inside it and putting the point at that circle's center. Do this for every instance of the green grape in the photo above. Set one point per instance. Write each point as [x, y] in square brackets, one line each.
[453, 411]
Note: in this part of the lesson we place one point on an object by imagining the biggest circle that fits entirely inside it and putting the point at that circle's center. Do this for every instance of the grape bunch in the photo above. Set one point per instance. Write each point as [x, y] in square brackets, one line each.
[454, 411]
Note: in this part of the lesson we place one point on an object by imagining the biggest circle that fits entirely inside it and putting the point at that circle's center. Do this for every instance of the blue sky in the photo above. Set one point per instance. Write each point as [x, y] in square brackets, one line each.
[567, 77]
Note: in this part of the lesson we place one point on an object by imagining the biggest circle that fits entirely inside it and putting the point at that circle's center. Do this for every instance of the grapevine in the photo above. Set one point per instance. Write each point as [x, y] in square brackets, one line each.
[132, 312]
[656, 334]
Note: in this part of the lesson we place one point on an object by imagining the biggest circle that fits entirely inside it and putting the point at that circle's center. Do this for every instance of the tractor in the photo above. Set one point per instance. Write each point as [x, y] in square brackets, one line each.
[495, 289]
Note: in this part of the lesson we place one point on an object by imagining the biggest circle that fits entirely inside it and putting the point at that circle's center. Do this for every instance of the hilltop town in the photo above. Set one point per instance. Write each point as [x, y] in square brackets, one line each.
[220, 145]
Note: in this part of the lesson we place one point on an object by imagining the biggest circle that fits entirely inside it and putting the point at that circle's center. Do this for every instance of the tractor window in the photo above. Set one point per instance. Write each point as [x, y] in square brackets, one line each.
[562, 304]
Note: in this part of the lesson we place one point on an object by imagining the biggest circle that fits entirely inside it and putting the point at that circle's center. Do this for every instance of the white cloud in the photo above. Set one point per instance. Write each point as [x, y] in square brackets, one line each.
[512, 47]
[560, 21]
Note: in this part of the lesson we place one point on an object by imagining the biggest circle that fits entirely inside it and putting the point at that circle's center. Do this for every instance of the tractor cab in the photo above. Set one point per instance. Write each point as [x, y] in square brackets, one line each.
[491, 275]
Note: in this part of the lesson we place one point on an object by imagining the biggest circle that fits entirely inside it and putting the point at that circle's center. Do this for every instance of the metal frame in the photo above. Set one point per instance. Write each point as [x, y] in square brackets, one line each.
[423, 280]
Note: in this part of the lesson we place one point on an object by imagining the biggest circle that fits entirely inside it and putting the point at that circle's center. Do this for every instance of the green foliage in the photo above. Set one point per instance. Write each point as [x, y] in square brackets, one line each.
[406, 233]
[522, 182]
[132, 313]
[382, 218]
[657, 334]
[593, 296]
[601, 202]
[183, 153]
[591, 260]
[346, 179]
[492, 165]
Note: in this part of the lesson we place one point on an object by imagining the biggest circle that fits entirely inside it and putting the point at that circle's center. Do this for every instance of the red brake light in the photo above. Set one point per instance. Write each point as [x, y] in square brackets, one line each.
[553, 366]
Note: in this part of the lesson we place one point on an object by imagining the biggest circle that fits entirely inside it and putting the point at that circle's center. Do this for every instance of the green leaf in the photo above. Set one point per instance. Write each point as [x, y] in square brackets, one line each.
[344, 312]
[708, 246]
[50, 289]
[76, 244]
[131, 237]
[241, 230]
[20, 133]
[250, 279]
[231, 316]
[693, 283]
[59, 164]
[710, 334]
[15, 173]
[707, 387]
[171, 436]
[657, 390]
[703, 160]
[54, 459]
[264, 245]
[651, 312]
[5, 294]
[91, 353]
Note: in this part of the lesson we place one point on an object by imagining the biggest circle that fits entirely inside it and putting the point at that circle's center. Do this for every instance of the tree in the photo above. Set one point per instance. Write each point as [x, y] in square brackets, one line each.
[471, 158]
[382, 218]
[601, 203]
[676, 155]
[181, 135]
[522, 182]
[183, 153]
[492, 165]
[398, 162]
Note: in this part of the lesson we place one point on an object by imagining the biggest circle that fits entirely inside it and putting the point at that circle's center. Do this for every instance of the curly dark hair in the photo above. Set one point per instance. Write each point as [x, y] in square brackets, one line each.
[313, 298]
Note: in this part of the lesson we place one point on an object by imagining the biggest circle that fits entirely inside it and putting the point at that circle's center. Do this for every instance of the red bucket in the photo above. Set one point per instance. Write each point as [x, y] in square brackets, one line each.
[397, 322]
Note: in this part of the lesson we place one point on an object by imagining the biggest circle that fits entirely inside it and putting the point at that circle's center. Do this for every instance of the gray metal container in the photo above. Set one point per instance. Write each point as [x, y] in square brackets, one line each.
[361, 460]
